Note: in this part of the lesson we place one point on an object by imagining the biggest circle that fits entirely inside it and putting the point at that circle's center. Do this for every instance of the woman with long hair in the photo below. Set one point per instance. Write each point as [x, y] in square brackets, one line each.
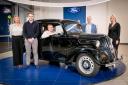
[114, 32]
[16, 32]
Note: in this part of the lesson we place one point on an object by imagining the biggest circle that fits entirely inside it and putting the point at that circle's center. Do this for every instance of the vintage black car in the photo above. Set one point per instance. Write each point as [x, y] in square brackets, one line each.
[70, 45]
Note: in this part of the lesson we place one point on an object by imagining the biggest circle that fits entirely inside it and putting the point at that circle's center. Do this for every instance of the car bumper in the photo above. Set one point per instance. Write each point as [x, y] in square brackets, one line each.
[113, 64]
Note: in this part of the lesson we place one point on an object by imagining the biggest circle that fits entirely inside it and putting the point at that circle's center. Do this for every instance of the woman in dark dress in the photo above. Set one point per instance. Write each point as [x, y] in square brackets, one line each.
[114, 32]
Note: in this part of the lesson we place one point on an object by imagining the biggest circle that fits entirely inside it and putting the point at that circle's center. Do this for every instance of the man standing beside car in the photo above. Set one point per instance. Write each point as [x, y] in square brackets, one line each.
[31, 32]
[90, 27]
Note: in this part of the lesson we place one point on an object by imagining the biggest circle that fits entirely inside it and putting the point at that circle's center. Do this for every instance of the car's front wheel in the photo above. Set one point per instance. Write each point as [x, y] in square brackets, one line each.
[86, 65]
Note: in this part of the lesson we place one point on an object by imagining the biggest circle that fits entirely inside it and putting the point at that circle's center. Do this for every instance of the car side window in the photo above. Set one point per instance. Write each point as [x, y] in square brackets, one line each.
[59, 29]
[51, 31]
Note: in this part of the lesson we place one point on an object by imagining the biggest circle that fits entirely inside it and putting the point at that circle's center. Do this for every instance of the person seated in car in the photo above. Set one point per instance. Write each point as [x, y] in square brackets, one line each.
[49, 31]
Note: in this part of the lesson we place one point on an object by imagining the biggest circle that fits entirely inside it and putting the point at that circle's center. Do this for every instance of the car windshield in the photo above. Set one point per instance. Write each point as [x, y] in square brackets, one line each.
[73, 28]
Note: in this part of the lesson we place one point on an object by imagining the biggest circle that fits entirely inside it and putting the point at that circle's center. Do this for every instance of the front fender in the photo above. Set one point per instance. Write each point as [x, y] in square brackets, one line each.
[91, 51]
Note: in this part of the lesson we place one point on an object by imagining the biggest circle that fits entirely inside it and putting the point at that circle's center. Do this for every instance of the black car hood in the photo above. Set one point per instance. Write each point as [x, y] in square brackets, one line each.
[91, 36]
[88, 36]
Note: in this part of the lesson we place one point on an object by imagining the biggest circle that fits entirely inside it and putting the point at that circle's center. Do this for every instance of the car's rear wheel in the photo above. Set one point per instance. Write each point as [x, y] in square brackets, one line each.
[86, 65]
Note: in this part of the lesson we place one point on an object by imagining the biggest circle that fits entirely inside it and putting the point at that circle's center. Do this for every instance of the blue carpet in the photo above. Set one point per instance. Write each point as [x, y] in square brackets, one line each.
[52, 75]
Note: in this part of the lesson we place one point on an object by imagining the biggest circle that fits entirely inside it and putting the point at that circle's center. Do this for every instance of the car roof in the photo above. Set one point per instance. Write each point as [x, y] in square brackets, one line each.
[55, 21]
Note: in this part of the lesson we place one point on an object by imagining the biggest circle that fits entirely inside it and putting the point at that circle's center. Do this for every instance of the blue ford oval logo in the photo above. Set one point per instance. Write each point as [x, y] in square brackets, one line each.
[74, 10]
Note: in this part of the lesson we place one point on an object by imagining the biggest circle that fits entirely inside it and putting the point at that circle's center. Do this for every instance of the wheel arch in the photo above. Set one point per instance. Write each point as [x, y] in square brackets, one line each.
[90, 51]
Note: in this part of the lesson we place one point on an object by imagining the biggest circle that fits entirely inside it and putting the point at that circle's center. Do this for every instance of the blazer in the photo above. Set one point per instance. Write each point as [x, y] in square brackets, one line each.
[93, 28]
[31, 30]
[114, 32]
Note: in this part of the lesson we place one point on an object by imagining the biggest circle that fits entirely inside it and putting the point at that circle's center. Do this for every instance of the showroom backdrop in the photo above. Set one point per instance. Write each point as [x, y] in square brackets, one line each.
[5, 19]
[99, 12]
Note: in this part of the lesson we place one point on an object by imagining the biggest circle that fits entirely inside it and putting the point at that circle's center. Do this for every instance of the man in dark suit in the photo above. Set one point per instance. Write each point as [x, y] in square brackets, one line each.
[30, 33]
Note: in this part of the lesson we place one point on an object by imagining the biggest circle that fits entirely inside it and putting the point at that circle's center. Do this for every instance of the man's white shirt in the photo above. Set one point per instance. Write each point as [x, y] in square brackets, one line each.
[47, 34]
[88, 28]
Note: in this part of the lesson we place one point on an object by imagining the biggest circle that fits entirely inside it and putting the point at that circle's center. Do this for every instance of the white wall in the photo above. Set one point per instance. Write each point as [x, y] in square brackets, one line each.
[48, 13]
[102, 12]
[98, 13]
[23, 14]
[120, 9]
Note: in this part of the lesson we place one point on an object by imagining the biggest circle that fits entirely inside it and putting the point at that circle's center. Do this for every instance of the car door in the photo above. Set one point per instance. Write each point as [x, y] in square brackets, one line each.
[50, 45]
[59, 53]
[62, 46]
[46, 48]
[67, 44]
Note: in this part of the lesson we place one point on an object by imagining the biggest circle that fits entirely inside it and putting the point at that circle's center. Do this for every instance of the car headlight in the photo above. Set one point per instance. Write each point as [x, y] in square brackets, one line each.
[97, 43]
[111, 46]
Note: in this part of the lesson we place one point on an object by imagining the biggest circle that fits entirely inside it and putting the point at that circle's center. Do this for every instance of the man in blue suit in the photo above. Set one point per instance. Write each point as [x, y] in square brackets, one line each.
[90, 28]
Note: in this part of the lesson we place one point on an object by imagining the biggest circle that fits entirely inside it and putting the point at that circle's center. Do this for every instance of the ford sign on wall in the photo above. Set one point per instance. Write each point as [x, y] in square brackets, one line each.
[74, 10]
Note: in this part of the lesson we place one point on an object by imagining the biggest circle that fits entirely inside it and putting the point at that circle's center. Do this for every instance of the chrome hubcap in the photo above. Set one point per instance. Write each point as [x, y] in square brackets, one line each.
[86, 64]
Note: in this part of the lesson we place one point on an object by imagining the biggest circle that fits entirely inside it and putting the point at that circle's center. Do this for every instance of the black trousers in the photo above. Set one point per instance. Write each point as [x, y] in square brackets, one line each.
[115, 45]
[17, 48]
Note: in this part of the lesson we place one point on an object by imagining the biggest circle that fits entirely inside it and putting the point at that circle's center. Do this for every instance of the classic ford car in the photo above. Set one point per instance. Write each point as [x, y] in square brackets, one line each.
[70, 45]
